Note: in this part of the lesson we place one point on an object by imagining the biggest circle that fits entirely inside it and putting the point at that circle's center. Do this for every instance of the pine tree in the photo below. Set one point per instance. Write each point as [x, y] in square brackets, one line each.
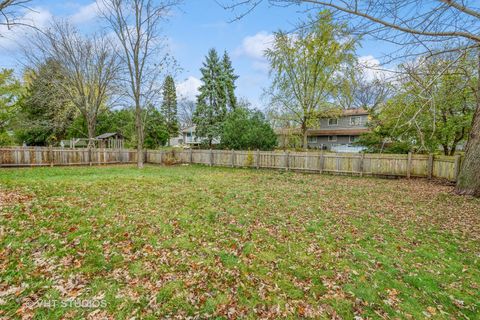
[169, 106]
[211, 107]
[229, 78]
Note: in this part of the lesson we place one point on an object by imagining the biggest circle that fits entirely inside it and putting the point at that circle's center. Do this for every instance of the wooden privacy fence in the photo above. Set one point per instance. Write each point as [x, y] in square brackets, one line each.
[42, 156]
[399, 165]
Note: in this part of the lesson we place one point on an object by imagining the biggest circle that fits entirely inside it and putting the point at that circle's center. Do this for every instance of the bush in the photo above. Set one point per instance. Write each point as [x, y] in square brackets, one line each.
[246, 129]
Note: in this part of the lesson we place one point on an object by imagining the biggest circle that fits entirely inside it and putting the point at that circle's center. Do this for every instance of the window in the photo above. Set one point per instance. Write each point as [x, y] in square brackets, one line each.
[354, 139]
[355, 121]
[312, 139]
[332, 138]
[333, 122]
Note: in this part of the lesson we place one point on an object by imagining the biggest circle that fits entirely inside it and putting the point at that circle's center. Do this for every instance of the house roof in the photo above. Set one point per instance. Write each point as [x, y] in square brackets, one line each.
[354, 112]
[189, 129]
[108, 135]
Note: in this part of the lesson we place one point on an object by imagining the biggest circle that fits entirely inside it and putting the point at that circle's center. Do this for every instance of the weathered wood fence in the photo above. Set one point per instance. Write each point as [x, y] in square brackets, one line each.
[44, 156]
[399, 165]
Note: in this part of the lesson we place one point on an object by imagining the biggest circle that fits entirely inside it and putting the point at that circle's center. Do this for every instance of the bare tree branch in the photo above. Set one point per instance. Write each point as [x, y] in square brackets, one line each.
[88, 65]
[136, 24]
[8, 12]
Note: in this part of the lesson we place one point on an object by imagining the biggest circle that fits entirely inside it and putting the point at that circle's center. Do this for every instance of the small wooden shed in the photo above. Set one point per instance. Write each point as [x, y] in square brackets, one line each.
[111, 140]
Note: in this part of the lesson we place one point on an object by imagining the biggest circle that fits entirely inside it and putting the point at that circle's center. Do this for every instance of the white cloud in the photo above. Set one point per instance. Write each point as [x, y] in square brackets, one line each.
[188, 89]
[36, 17]
[87, 13]
[372, 68]
[255, 46]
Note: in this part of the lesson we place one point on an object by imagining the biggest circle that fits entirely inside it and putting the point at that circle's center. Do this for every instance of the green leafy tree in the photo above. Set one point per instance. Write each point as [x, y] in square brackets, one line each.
[246, 129]
[89, 67]
[229, 78]
[433, 107]
[169, 106]
[156, 129]
[211, 102]
[10, 93]
[46, 113]
[307, 68]
[121, 120]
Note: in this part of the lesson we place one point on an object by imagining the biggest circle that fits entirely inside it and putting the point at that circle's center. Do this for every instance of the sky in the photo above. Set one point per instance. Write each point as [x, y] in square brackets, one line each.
[193, 28]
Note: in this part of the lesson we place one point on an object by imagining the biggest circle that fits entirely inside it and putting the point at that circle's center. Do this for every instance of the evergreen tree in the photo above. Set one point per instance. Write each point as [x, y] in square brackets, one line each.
[156, 133]
[169, 106]
[211, 102]
[229, 78]
[46, 113]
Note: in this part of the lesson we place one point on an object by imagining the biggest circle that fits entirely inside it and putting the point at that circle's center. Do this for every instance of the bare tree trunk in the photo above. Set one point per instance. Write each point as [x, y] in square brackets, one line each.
[468, 182]
[469, 179]
[305, 139]
[91, 134]
[140, 133]
[445, 149]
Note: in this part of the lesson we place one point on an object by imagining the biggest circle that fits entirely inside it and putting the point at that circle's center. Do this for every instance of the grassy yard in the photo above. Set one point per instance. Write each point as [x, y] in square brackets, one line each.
[172, 242]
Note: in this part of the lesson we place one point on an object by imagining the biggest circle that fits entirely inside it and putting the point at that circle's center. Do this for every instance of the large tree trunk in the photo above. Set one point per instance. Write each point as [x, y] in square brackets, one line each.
[91, 133]
[304, 137]
[468, 182]
[139, 128]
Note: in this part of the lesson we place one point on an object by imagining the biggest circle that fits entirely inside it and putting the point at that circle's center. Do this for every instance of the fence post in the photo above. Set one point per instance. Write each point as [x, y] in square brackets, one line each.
[409, 165]
[191, 155]
[258, 159]
[458, 163]
[89, 156]
[287, 160]
[233, 158]
[50, 155]
[211, 158]
[337, 162]
[430, 165]
[362, 161]
[320, 162]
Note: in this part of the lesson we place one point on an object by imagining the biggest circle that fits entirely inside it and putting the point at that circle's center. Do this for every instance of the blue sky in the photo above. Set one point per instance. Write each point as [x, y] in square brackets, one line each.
[193, 29]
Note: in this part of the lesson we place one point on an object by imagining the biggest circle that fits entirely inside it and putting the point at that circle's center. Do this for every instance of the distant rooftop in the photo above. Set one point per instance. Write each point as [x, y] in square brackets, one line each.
[108, 135]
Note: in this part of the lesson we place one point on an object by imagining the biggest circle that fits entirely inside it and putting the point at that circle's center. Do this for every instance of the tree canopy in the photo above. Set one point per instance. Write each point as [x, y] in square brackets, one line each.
[306, 68]
[246, 129]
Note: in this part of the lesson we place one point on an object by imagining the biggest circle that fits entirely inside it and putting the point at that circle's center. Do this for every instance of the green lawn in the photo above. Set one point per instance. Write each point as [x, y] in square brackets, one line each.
[233, 243]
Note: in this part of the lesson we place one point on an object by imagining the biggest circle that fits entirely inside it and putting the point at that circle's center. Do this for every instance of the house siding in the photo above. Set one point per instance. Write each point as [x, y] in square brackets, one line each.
[344, 123]
[320, 140]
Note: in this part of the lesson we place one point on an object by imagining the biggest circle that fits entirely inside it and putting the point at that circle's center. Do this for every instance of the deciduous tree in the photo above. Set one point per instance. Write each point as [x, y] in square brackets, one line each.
[136, 24]
[88, 68]
[10, 93]
[306, 67]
